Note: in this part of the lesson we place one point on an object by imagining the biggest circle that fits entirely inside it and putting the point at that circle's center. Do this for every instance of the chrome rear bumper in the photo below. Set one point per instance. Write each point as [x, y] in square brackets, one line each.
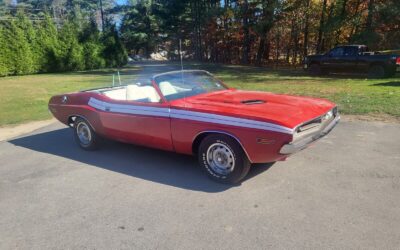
[296, 146]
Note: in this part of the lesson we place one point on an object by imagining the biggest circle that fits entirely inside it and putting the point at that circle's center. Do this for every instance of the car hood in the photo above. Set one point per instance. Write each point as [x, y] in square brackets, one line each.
[284, 110]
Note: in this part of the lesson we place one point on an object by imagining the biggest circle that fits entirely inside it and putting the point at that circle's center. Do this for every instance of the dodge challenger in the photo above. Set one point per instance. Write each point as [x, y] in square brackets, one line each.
[192, 112]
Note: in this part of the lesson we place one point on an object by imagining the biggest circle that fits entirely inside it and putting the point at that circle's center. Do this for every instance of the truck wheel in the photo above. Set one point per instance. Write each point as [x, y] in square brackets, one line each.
[315, 70]
[376, 71]
[85, 135]
[390, 73]
[223, 159]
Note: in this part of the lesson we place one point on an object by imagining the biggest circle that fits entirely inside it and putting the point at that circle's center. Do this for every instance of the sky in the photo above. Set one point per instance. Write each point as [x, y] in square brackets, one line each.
[121, 2]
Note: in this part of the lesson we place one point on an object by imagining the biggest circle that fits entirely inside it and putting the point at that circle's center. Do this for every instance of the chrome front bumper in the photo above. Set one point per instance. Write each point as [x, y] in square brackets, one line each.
[296, 146]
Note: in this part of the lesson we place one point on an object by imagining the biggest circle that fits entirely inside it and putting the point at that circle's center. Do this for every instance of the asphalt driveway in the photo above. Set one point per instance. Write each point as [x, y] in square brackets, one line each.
[344, 192]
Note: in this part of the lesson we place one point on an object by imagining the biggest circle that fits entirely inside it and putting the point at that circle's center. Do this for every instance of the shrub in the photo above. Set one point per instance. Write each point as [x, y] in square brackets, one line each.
[42, 47]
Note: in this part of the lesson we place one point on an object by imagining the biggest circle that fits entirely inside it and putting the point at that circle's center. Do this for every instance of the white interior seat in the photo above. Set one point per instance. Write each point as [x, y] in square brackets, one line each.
[167, 89]
[133, 93]
[144, 93]
[117, 94]
[150, 93]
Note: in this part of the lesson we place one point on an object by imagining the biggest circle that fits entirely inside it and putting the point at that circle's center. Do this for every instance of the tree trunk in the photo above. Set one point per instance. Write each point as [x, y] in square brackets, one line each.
[291, 41]
[368, 24]
[197, 31]
[306, 28]
[354, 28]
[341, 21]
[327, 43]
[267, 51]
[246, 33]
[321, 27]
[277, 46]
[296, 45]
[261, 50]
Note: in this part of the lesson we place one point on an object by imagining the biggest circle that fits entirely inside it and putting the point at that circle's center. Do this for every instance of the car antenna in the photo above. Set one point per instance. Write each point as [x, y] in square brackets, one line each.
[119, 78]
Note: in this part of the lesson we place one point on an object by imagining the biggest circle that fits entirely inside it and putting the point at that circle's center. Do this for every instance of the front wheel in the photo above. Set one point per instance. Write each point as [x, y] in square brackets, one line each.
[85, 135]
[223, 159]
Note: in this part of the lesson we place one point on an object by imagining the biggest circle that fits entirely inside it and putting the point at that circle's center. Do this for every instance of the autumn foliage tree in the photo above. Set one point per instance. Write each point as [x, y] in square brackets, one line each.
[263, 31]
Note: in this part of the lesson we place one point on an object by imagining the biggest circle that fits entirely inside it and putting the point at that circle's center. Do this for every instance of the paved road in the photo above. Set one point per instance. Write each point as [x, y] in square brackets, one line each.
[342, 193]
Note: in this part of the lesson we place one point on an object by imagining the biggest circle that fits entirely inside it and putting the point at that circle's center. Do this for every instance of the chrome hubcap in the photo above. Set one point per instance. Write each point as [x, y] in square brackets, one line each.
[84, 134]
[220, 159]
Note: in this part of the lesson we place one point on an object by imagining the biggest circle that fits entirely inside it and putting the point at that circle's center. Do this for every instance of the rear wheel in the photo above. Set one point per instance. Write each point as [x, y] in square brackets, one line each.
[223, 159]
[85, 135]
[376, 71]
[391, 73]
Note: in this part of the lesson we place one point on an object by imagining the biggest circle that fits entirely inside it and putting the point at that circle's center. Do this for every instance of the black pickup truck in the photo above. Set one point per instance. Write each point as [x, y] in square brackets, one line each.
[355, 59]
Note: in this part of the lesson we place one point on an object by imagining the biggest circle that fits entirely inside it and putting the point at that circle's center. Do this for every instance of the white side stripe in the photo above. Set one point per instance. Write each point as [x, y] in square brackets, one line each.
[128, 109]
[222, 119]
[187, 115]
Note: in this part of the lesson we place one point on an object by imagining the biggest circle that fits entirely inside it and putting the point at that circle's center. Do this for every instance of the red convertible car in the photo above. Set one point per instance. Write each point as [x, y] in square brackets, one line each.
[192, 112]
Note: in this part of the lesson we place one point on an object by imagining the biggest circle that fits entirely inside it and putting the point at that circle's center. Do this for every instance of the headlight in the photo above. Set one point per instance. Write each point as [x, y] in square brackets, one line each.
[327, 116]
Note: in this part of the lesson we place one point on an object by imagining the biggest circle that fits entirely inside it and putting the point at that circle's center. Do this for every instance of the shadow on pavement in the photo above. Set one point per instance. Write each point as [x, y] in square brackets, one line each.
[159, 166]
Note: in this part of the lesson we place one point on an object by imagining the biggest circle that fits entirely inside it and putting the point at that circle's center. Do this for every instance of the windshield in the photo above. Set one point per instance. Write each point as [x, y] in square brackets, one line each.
[180, 84]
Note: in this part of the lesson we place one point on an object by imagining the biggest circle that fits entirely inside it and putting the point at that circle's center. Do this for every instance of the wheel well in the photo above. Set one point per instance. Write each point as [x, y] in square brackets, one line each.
[199, 138]
[71, 120]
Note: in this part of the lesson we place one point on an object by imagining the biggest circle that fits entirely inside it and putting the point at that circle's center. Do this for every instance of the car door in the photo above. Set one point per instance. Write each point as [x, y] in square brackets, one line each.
[334, 59]
[350, 58]
[362, 59]
[138, 121]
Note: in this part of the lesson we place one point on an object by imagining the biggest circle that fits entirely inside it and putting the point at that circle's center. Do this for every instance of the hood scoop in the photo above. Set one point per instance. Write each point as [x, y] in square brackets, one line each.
[253, 102]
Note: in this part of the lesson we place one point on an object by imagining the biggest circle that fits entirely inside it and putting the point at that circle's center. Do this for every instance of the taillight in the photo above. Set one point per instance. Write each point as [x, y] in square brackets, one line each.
[398, 60]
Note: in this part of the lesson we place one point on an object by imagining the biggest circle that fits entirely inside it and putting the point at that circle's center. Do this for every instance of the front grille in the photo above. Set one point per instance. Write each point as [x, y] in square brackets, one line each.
[311, 124]
[317, 124]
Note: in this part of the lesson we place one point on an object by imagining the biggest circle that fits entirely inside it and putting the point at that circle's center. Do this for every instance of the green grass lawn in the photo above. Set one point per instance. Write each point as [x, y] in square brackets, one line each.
[24, 98]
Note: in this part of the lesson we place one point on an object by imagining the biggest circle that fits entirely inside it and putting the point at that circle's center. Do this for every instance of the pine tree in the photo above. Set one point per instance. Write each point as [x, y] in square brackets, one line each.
[48, 45]
[19, 52]
[4, 62]
[92, 47]
[71, 51]
[114, 51]
[26, 26]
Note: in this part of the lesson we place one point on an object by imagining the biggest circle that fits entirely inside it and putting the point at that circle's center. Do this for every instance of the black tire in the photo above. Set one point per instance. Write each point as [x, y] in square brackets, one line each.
[264, 165]
[230, 155]
[82, 126]
[376, 71]
[390, 73]
[315, 69]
